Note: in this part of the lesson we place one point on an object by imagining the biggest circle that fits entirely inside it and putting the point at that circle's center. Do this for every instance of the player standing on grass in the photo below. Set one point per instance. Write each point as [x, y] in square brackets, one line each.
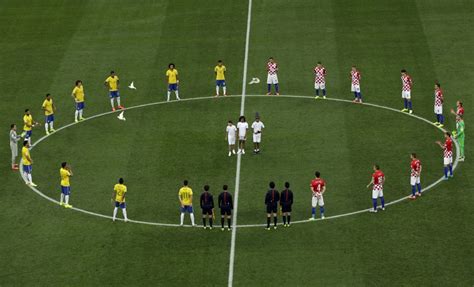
[29, 123]
[78, 95]
[119, 197]
[112, 83]
[185, 196]
[415, 166]
[257, 127]
[355, 86]
[14, 138]
[378, 180]
[49, 108]
[27, 163]
[406, 91]
[226, 206]
[448, 155]
[207, 206]
[320, 80]
[220, 70]
[318, 188]
[173, 81]
[438, 105]
[460, 135]
[231, 135]
[459, 109]
[272, 197]
[65, 173]
[272, 76]
[286, 201]
[242, 126]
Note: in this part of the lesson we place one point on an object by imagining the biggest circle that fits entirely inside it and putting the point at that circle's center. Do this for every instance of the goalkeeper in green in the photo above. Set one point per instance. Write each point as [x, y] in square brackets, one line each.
[460, 135]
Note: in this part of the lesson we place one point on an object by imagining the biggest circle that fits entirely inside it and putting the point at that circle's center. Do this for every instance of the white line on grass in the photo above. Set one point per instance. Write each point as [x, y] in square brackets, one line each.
[235, 96]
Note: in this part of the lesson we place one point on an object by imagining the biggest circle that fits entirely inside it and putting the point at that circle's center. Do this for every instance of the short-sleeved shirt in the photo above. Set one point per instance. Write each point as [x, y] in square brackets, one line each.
[242, 127]
[25, 152]
[112, 81]
[28, 120]
[317, 185]
[448, 148]
[120, 190]
[48, 107]
[415, 166]
[172, 75]
[378, 177]
[257, 126]
[231, 131]
[355, 76]
[65, 174]
[78, 93]
[220, 72]
[438, 97]
[406, 83]
[185, 194]
[319, 75]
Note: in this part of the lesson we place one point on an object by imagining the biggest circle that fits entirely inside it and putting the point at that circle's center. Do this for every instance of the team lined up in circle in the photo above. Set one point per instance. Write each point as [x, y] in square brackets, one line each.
[274, 200]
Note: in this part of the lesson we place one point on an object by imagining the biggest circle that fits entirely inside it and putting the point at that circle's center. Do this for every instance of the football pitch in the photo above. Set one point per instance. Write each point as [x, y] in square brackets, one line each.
[47, 45]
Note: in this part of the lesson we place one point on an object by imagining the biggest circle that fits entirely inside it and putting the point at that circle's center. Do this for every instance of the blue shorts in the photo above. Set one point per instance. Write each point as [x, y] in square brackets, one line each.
[172, 87]
[27, 168]
[80, 106]
[220, 83]
[50, 118]
[66, 190]
[28, 134]
[122, 205]
[114, 94]
[187, 208]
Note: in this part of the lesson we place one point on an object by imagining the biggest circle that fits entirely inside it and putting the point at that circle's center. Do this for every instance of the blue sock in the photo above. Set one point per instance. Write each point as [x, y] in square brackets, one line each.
[405, 101]
[269, 87]
[419, 187]
[374, 201]
[355, 95]
[413, 190]
[437, 118]
[451, 169]
[313, 211]
[276, 88]
[446, 171]
[441, 118]
[321, 209]
[317, 92]
[382, 200]
[409, 105]
[360, 95]
[324, 92]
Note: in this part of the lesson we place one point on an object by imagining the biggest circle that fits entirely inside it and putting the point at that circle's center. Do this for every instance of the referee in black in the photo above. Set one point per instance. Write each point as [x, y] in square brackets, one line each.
[271, 201]
[226, 206]
[286, 200]
[207, 206]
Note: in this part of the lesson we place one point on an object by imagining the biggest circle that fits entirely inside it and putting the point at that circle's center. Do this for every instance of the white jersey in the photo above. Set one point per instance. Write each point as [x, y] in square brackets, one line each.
[257, 127]
[242, 127]
[231, 131]
[14, 138]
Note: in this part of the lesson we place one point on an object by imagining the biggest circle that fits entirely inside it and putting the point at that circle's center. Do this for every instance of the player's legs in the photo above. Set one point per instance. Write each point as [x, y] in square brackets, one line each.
[191, 215]
[181, 216]
[14, 150]
[314, 203]
[51, 124]
[46, 124]
[229, 220]
[382, 199]
[115, 211]
[321, 206]
[275, 217]
[323, 88]
[461, 147]
[316, 89]
[204, 216]
[124, 212]
[268, 218]
[375, 195]
[217, 90]
[209, 216]
[112, 96]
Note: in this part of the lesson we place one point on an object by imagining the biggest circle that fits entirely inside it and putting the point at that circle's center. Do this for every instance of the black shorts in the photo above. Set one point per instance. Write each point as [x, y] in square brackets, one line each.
[207, 210]
[272, 208]
[226, 211]
[286, 208]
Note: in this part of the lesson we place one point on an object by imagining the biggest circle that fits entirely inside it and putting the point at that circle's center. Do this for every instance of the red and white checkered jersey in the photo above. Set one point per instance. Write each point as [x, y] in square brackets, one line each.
[415, 167]
[460, 111]
[379, 179]
[406, 83]
[438, 97]
[272, 68]
[355, 76]
[319, 75]
[448, 148]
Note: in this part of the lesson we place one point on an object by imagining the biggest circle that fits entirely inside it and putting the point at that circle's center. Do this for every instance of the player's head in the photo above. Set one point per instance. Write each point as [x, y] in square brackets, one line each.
[376, 167]
[287, 184]
[25, 143]
[78, 83]
[63, 164]
[271, 184]
[413, 155]
[403, 71]
[270, 59]
[171, 66]
[13, 127]
[206, 187]
[447, 134]
[225, 187]
[48, 96]
[229, 123]
[317, 174]
[459, 103]
[219, 63]
[185, 182]
[319, 64]
[354, 68]
[242, 119]
[112, 73]
[121, 180]
[437, 85]
[27, 111]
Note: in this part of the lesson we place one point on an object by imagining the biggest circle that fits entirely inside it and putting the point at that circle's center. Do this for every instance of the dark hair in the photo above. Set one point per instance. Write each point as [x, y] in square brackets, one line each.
[63, 165]
[272, 184]
[271, 58]
[353, 66]
[48, 94]
[377, 167]
[317, 174]
[219, 61]
[121, 180]
[242, 117]
[403, 71]
[413, 154]
[26, 110]
[319, 62]
[206, 187]
[12, 125]
[185, 182]
[112, 72]
[438, 84]
[25, 143]
[448, 134]
[287, 184]
[225, 187]
[78, 81]
[169, 65]
[460, 103]
[230, 121]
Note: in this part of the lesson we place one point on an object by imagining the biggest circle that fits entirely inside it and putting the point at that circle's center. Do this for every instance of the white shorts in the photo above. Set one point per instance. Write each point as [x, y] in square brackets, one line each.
[241, 138]
[377, 192]
[355, 88]
[231, 141]
[272, 79]
[406, 95]
[448, 160]
[317, 201]
[414, 180]
[318, 86]
[257, 138]
[438, 110]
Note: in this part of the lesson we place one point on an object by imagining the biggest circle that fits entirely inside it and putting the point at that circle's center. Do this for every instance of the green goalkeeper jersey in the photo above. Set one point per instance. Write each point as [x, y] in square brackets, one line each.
[460, 129]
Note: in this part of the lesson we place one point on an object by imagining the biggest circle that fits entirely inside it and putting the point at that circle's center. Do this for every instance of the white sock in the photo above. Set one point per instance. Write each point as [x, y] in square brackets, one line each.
[169, 94]
[115, 213]
[66, 199]
[25, 174]
[62, 198]
[124, 211]
[51, 125]
[112, 102]
[80, 113]
[29, 141]
[46, 127]
[192, 218]
[177, 95]
[225, 90]
[182, 218]
[76, 115]
[118, 101]
[30, 178]
[217, 90]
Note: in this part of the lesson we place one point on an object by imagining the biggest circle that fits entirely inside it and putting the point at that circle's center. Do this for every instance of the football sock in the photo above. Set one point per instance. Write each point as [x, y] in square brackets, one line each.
[210, 221]
[228, 222]
[177, 95]
[204, 221]
[269, 87]
[324, 92]
[275, 220]
[168, 96]
[321, 209]
[124, 211]
[25, 175]
[451, 169]
[80, 113]
[181, 218]
[46, 127]
[118, 101]
[446, 171]
[115, 213]
[405, 103]
[382, 200]
[284, 219]
[222, 222]
[217, 90]
[360, 95]
[413, 190]
[225, 90]
[438, 118]
[112, 102]
[30, 179]
[409, 105]
[76, 115]
[276, 88]
[51, 126]
[419, 187]
[313, 211]
[355, 95]
[289, 218]
[374, 202]
[268, 222]
[317, 92]
[62, 198]
[192, 218]
[66, 199]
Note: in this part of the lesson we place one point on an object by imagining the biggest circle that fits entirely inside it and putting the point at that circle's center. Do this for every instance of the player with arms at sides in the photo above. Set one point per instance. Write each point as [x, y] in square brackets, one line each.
[207, 206]
[447, 148]
[65, 173]
[220, 70]
[407, 84]
[272, 197]
[242, 126]
[355, 77]
[27, 164]
[112, 83]
[185, 196]
[377, 182]
[78, 96]
[257, 127]
[14, 138]
[28, 124]
[318, 188]
[272, 76]
[118, 196]
[286, 201]
[226, 205]
[231, 135]
[415, 175]
[320, 80]
[173, 81]
[438, 105]
[459, 135]
[49, 108]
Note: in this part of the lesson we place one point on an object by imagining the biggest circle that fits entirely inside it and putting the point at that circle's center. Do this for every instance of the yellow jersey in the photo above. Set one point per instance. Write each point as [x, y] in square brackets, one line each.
[120, 190]
[48, 107]
[28, 120]
[185, 194]
[25, 152]
[113, 83]
[65, 174]
[172, 76]
[78, 93]
[220, 72]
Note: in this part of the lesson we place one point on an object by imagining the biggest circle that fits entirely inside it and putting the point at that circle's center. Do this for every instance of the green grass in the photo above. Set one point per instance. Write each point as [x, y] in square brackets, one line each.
[47, 45]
